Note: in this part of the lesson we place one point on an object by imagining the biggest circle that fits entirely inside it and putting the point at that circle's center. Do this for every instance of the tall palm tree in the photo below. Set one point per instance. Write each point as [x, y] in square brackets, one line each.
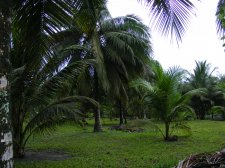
[120, 46]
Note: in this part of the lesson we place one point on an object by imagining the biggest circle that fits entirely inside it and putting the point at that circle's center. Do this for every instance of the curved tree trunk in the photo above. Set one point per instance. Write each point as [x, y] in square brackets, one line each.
[96, 49]
[6, 147]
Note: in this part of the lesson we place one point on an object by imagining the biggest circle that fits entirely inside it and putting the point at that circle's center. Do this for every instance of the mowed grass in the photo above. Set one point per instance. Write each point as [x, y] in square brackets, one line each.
[118, 149]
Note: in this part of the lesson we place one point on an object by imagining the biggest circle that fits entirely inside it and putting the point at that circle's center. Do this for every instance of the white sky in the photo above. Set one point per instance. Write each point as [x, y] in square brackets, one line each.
[200, 42]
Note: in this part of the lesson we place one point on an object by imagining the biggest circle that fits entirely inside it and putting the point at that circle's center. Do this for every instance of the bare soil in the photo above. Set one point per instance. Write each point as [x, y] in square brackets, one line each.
[53, 155]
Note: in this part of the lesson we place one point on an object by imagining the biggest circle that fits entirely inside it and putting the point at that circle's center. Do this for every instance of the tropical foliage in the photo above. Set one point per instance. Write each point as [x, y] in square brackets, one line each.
[168, 104]
[41, 81]
[65, 58]
[119, 47]
[202, 77]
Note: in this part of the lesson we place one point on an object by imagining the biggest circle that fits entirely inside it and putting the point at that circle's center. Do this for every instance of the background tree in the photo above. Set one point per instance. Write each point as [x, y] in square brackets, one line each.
[202, 78]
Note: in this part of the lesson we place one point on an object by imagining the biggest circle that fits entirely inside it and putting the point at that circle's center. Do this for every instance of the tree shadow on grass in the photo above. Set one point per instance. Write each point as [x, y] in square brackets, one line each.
[50, 154]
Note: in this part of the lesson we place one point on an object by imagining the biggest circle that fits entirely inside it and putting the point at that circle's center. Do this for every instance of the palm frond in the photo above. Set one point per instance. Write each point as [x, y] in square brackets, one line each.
[220, 18]
[140, 83]
[170, 17]
[56, 113]
[45, 91]
[50, 117]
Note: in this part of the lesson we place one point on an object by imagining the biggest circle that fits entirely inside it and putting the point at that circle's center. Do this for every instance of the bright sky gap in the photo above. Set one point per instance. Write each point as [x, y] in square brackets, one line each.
[200, 42]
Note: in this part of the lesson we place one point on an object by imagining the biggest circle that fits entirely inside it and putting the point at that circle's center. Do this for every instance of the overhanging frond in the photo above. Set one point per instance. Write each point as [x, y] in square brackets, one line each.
[170, 17]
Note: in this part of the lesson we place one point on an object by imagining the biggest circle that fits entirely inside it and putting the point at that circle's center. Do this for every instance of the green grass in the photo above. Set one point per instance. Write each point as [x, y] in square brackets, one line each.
[117, 149]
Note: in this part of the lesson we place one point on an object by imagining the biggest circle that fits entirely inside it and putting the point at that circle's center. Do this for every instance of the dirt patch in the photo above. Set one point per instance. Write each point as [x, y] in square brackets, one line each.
[126, 128]
[53, 155]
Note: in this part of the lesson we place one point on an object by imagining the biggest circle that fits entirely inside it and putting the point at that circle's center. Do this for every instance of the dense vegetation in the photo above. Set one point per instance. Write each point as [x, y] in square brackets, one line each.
[69, 60]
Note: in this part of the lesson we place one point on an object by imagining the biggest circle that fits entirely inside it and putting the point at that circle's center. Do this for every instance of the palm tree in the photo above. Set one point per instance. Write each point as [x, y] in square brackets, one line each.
[137, 106]
[40, 76]
[202, 78]
[120, 46]
[29, 46]
[44, 100]
[218, 97]
[167, 103]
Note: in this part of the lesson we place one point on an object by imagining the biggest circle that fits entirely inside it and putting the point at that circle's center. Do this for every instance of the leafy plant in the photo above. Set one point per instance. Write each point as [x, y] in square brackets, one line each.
[167, 103]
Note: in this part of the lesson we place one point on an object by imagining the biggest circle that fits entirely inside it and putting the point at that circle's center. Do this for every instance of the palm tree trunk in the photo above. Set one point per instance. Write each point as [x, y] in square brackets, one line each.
[121, 112]
[6, 147]
[124, 116]
[97, 113]
[98, 125]
[167, 129]
[18, 147]
[212, 114]
[144, 114]
[223, 115]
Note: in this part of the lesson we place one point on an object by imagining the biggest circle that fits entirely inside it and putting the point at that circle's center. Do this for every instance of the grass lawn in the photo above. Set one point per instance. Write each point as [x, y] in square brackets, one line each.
[118, 149]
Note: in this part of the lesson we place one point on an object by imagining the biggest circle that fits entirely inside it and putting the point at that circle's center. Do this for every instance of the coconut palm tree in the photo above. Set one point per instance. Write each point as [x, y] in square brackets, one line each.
[120, 46]
[29, 44]
[42, 101]
[167, 103]
[40, 77]
[202, 78]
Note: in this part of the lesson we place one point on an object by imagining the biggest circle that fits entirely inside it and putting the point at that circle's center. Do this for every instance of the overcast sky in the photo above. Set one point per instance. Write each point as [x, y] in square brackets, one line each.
[200, 42]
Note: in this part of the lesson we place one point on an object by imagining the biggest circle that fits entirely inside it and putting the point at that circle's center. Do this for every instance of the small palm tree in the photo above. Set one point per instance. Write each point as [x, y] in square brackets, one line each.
[42, 100]
[168, 104]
